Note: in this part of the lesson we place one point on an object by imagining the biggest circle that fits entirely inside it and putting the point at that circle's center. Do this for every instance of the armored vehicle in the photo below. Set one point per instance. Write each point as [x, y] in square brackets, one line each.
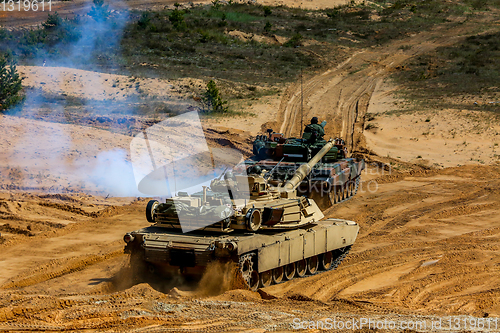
[272, 235]
[334, 179]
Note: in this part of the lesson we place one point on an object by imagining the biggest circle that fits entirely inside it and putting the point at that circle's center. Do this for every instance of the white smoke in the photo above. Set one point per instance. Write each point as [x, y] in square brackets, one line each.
[46, 152]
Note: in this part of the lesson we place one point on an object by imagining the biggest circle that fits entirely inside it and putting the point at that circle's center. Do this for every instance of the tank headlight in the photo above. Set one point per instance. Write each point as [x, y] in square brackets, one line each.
[128, 238]
[231, 246]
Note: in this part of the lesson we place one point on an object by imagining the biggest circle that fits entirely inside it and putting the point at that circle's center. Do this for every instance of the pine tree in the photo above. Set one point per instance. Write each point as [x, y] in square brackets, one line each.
[10, 84]
[212, 100]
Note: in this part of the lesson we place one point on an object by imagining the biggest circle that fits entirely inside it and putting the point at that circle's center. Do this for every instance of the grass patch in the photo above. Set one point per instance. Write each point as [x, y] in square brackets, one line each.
[193, 41]
[449, 73]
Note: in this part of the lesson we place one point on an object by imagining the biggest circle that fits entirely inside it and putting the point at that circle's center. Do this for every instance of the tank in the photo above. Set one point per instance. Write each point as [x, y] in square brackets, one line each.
[270, 232]
[334, 179]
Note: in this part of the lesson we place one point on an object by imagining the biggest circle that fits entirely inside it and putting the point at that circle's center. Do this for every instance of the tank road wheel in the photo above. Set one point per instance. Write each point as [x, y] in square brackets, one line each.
[290, 271]
[150, 209]
[332, 196]
[253, 219]
[326, 261]
[351, 188]
[301, 268]
[312, 265]
[278, 274]
[248, 272]
[340, 194]
[266, 278]
[254, 281]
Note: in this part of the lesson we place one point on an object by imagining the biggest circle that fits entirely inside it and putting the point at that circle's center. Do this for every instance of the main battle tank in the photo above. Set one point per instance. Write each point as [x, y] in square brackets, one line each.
[334, 179]
[273, 234]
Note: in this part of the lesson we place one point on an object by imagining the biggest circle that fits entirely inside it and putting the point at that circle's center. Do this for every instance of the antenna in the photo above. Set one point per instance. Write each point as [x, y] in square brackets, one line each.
[301, 103]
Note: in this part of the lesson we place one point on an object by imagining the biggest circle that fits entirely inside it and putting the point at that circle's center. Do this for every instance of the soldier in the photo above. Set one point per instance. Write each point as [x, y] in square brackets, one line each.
[314, 130]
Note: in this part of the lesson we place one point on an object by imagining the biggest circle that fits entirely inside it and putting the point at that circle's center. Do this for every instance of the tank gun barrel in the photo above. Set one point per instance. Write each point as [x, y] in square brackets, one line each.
[305, 169]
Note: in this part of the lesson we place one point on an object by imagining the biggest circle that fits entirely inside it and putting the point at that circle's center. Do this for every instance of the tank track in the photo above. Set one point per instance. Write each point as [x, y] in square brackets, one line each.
[302, 268]
[337, 196]
[346, 192]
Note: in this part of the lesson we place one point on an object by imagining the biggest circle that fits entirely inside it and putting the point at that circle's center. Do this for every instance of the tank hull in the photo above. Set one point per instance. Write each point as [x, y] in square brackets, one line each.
[266, 253]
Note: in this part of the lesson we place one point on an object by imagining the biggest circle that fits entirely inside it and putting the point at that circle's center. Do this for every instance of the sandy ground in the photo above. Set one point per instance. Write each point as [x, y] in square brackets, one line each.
[438, 137]
[427, 249]
[429, 238]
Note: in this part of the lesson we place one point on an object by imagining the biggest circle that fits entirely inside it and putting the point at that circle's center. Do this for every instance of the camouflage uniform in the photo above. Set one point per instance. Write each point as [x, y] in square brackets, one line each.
[318, 128]
[314, 132]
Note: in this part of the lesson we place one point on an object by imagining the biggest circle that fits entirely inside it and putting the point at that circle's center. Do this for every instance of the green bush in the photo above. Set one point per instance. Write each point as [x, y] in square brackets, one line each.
[212, 100]
[177, 19]
[53, 21]
[268, 27]
[267, 11]
[295, 41]
[144, 20]
[10, 84]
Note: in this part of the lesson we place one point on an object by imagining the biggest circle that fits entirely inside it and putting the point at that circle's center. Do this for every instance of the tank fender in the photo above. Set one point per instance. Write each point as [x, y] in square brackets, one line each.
[339, 179]
[356, 168]
[314, 241]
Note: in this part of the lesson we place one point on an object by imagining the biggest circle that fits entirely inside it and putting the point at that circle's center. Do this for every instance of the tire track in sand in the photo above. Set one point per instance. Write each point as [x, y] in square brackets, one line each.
[341, 95]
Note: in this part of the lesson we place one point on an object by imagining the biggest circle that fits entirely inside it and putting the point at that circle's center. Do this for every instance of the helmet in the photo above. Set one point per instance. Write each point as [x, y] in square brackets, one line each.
[228, 175]
[255, 169]
[314, 120]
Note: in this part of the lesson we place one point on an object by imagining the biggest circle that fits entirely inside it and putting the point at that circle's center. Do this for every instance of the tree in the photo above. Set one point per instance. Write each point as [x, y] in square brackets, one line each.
[10, 84]
[176, 17]
[212, 100]
[99, 11]
[268, 27]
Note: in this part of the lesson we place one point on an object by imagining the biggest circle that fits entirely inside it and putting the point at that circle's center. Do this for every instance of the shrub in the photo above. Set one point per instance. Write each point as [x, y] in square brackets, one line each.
[10, 84]
[53, 21]
[212, 100]
[177, 19]
[144, 20]
[267, 11]
[295, 41]
[268, 27]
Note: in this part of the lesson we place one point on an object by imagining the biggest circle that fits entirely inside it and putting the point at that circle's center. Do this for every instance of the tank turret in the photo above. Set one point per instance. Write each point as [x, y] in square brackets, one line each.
[241, 201]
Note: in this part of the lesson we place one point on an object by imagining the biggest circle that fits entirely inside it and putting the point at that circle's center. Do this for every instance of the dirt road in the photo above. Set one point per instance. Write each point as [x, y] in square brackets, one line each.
[342, 95]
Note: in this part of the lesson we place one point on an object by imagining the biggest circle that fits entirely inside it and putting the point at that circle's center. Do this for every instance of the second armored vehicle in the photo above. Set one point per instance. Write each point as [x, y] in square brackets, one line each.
[334, 179]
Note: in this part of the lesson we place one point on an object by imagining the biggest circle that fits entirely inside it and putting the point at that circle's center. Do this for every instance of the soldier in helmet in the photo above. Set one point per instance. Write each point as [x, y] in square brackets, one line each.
[314, 130]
